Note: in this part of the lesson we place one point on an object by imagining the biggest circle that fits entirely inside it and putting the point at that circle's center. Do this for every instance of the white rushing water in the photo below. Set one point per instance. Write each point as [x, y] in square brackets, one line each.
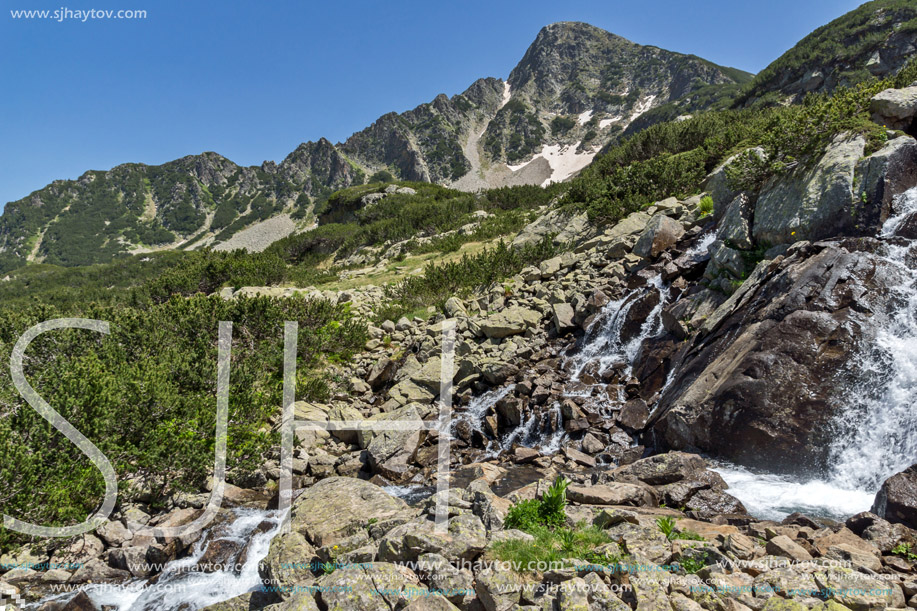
[182, 585]
[875, 430]
[606, 346]
[773, 497]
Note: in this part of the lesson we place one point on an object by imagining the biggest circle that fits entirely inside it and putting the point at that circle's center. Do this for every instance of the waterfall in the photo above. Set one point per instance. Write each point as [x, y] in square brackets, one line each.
[181, 585]
[877, 427]
[605, 345]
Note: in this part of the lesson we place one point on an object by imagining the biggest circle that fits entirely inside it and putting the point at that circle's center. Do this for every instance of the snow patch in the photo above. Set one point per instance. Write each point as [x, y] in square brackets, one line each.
[642, 106]
[506, 94]
[563, 159]
[606, 122]
[583, 117]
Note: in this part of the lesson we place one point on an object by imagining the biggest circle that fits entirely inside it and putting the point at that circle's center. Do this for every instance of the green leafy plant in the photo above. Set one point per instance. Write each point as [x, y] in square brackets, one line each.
[666, 525]
[556, 544]
[531, 514]
[524, 515]
[691, 565]
[553, 502]
[705, 207]
[905, 551]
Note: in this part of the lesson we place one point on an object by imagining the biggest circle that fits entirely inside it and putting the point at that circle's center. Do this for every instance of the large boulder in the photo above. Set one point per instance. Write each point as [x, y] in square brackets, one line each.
[660, 234]
[735, 227]
[896, 501]
[662, 469]
[767, 365]
[511, 321]
[881, 177]
[337, 507]
[895, 108]
[811, 203]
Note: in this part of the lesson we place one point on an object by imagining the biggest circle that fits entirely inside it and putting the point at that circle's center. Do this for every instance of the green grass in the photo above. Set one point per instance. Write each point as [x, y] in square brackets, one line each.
[554, 545]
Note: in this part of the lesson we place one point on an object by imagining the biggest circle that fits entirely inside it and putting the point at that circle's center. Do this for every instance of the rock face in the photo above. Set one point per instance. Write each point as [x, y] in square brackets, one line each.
[811, 204]
[765, 365]
[896, 501]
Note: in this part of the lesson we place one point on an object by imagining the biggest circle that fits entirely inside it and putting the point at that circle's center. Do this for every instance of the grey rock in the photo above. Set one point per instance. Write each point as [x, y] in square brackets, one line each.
[811, 204]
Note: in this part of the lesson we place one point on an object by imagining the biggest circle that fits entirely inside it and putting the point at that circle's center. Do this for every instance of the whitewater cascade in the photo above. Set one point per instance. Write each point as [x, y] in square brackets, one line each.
[183, 584]
[875, 431]
[603, 348]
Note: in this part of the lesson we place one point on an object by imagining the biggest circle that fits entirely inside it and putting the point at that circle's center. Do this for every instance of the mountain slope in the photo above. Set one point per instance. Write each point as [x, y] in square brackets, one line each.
[875, 39]
[576, 88]
[195, 200]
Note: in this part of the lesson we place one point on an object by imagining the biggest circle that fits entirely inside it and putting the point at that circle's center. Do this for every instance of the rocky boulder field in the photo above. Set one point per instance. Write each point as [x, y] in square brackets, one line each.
[679, 335]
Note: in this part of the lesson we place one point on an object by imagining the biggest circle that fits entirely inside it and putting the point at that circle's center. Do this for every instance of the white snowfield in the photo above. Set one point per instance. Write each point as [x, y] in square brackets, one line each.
[563, 160]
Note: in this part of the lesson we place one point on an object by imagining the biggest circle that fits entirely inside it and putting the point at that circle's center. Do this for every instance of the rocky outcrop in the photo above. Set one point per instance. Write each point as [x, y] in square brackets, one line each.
[895, 108]
[765, 364]
[811, 204]
[869, 41]
[896, 501]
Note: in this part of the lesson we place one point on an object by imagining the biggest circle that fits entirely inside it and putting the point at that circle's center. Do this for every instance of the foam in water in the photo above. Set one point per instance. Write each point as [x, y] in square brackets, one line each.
[877, 429]
[773, 497]
[606, 346]
[702, 245]
[181, 587]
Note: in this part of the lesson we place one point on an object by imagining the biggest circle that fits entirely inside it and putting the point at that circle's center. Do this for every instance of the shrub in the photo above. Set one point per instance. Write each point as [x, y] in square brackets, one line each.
[561, 125]
[705, 207]
[530, 514]
[381, 176]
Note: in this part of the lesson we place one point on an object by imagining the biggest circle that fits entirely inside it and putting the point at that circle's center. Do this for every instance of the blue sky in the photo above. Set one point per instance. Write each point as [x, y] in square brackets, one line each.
[251, 80]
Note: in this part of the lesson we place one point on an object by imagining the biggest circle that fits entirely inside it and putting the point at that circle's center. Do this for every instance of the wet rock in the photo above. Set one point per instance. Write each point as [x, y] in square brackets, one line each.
[591, 444]
[634, 415]
[709, 503]
[766, 362]
[896, 500]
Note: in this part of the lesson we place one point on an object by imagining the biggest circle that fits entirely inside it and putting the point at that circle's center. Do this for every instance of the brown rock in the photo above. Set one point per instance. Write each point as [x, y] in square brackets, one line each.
[781, 545]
